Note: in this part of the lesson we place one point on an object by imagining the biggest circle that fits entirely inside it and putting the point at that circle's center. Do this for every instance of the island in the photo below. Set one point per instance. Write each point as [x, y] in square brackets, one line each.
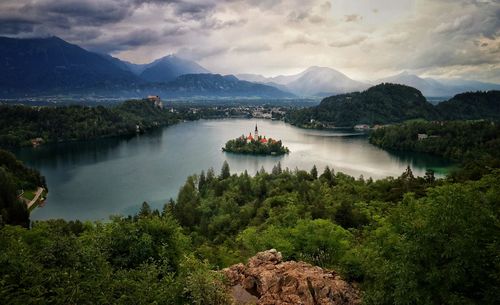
[255, 145]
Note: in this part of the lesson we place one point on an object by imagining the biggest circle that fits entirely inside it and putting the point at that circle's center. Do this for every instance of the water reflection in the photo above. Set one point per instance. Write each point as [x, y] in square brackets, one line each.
[91, 180]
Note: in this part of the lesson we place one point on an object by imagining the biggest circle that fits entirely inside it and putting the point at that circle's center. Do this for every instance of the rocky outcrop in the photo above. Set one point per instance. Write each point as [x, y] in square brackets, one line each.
[267, 280]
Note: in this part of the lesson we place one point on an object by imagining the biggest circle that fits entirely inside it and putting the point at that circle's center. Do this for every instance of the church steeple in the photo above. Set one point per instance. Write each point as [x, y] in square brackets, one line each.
[256, 132]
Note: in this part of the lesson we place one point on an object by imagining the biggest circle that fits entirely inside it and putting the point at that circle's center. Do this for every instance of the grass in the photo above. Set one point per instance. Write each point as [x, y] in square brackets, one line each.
[29, 195]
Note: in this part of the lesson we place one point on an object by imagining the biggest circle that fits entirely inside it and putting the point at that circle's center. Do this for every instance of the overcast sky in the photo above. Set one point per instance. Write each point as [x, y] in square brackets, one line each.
[366, 39]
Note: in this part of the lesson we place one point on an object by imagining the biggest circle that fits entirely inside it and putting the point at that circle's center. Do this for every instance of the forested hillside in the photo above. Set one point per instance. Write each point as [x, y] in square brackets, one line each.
[475, 144]
[391, 103]
[15, 177]
[19, 124]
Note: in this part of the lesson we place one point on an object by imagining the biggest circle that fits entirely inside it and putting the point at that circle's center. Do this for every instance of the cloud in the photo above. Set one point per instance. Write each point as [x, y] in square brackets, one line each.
[347, 42]
[365, 39]
[251, 48]
[301, 40]
[353, 18]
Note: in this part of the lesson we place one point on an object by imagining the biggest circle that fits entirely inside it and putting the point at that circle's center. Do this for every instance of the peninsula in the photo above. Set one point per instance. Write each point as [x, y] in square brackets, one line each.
[256, 145]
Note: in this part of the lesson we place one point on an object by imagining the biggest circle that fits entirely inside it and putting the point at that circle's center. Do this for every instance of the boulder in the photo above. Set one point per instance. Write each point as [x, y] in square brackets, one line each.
[267, 280]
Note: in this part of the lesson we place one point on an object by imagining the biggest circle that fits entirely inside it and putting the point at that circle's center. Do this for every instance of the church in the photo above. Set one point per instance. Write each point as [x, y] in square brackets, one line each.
[256, 136]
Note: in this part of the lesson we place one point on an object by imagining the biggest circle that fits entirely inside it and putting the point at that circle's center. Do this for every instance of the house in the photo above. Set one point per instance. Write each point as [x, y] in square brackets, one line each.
[362, 127]
[156, 100]
[36, 142]
[422, 136]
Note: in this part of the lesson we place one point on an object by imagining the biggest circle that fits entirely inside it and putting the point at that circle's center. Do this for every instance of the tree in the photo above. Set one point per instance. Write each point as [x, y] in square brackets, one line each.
[225, 171]
[145, 210]
[314, 172]
[201, 181]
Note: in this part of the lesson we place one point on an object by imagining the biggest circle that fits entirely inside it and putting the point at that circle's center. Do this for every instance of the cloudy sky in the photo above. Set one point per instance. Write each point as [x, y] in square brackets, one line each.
[366, 39]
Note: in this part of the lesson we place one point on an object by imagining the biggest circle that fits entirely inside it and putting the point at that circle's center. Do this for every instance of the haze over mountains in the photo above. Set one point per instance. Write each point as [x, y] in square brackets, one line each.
[41, 66]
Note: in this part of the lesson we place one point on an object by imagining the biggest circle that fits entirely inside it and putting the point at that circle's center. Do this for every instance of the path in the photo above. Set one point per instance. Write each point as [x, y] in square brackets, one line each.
[35, 199]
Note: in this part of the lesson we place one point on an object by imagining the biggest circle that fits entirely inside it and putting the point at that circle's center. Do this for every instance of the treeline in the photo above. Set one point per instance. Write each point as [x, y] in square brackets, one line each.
[406, 240]
[20, 124]
[392, 103]
[475, 144]
[15, 177]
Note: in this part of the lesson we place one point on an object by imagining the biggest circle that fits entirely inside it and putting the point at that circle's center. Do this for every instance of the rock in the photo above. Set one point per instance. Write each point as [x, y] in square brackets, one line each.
[267, 280]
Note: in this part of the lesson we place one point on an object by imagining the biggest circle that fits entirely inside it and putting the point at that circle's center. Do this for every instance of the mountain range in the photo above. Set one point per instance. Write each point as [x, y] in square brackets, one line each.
[46, 66]
[314, 81]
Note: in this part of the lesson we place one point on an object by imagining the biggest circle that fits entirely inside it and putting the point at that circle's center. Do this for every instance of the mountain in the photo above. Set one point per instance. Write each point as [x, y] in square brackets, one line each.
[313, 81]
[326, 81]
[381, 104]
[53, 65]
[215, 85]
[438, 87]
[168, 68]
[43, 66]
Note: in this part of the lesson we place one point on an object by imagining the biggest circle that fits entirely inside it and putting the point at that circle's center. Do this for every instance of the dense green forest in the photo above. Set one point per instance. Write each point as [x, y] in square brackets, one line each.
[406, 240]
[476, 144]
[19, 124]
[255, 147]
[14, 177]
[392, 103]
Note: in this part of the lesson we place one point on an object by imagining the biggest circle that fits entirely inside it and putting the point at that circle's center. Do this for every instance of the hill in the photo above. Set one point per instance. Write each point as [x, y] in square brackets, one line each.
[471, 106]
[393, 103]
[381, 104]
[438, 87]
[19, 124]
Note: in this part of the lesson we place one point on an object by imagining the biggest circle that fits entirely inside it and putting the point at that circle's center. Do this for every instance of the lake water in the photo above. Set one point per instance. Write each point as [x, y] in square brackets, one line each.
[92, 180]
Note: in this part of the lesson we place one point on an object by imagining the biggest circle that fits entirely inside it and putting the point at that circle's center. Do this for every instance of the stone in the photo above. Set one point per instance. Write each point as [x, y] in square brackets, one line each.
[267, 280]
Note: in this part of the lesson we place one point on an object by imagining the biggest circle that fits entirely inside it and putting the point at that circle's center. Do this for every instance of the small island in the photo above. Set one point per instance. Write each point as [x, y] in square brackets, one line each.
[255, 145]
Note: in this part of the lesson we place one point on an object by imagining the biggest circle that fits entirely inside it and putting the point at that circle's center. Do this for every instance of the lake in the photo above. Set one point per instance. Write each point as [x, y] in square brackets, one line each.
[93, 180]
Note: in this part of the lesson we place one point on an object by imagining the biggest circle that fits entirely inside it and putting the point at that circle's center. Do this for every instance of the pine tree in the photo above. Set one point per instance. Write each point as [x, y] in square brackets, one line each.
[225, 171]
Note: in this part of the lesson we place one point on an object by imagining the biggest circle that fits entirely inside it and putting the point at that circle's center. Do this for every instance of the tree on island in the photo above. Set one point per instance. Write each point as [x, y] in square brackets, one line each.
[256, 145]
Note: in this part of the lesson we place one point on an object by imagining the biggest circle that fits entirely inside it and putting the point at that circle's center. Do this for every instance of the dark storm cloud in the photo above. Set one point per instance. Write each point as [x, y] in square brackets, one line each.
[13, 26]
[126, 41]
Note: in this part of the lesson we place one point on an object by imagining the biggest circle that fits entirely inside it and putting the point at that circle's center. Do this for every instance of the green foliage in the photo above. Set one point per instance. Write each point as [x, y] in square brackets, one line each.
[381, 104]
[392, 103]
[15, 177]
[255, 147]
[476, 144]
[19, 124]
[439, 249]
[140, 260]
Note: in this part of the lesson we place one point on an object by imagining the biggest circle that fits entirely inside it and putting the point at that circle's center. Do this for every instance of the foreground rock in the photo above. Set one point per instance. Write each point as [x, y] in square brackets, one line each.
[266, 280]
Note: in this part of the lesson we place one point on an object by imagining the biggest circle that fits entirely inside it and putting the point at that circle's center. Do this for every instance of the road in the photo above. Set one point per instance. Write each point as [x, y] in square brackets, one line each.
[35, 199]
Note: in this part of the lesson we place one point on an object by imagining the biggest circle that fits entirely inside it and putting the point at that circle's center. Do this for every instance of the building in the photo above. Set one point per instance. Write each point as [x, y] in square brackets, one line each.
[156, 100]
[422, 136]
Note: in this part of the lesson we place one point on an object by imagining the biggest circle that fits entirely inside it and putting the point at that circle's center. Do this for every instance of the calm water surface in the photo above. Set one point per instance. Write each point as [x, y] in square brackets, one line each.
[92, 180]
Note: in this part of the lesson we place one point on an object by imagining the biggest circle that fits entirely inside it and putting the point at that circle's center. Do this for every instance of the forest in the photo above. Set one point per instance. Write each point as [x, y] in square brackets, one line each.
[14, 177]
[405, 240]
[19, 124]
[474, 144]
[392, 103]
